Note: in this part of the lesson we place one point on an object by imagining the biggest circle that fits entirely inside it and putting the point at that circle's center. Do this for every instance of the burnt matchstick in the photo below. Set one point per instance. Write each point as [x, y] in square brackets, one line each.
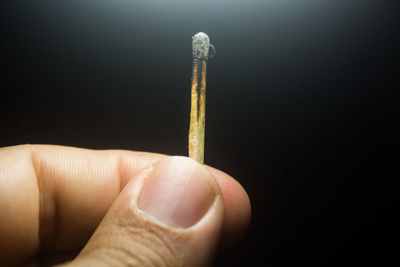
[200, 50]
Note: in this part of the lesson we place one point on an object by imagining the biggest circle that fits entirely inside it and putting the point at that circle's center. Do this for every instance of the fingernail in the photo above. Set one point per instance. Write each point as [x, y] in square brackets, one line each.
[177, 192]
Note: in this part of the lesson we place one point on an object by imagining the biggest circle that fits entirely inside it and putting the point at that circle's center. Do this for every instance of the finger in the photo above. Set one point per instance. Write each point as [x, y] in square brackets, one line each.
[55, 196]
[72, 189]
[168, 215]
[237, 212]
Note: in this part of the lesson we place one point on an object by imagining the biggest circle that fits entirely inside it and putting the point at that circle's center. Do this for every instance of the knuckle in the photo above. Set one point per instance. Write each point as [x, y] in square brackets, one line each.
[155, 242]
[131, 240]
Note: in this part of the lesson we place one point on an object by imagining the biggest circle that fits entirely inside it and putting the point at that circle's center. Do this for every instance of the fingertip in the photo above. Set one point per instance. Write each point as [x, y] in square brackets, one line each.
[237, 214]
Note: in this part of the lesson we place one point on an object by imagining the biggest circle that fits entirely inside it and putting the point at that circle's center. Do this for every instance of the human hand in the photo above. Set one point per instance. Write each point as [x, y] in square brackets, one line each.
[149, 209]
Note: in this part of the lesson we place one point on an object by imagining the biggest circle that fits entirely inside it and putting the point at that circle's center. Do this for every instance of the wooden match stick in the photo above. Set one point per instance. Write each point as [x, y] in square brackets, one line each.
[200, 50]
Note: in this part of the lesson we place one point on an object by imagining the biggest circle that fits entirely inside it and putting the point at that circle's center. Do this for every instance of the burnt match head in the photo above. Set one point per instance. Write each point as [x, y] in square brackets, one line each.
[200, 45]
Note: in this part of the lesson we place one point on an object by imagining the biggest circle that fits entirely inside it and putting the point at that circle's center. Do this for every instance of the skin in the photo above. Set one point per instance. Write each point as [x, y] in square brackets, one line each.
[52, 198]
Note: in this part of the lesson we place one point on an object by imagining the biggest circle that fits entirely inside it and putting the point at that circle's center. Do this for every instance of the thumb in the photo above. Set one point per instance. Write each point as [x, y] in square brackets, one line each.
[168, 215]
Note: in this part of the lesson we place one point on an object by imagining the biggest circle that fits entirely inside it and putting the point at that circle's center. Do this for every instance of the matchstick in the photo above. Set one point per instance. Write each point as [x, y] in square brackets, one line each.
[200, 50]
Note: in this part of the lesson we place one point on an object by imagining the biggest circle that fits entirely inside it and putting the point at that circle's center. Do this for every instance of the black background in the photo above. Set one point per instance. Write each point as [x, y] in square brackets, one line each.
[301, 106]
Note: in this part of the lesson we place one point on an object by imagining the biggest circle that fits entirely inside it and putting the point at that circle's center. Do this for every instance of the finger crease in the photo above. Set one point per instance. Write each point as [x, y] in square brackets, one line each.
[49, 223]
[37, 170]
[120, 170]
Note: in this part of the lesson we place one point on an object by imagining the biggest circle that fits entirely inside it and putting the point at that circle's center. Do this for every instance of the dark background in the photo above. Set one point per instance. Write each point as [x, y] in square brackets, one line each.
[302, 106]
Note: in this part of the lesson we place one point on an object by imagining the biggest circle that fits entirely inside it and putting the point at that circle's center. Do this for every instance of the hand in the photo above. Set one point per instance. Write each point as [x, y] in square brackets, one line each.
[121, 207]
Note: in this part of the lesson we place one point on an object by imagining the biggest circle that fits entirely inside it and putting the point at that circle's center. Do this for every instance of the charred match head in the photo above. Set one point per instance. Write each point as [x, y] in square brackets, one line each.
[200, 45]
